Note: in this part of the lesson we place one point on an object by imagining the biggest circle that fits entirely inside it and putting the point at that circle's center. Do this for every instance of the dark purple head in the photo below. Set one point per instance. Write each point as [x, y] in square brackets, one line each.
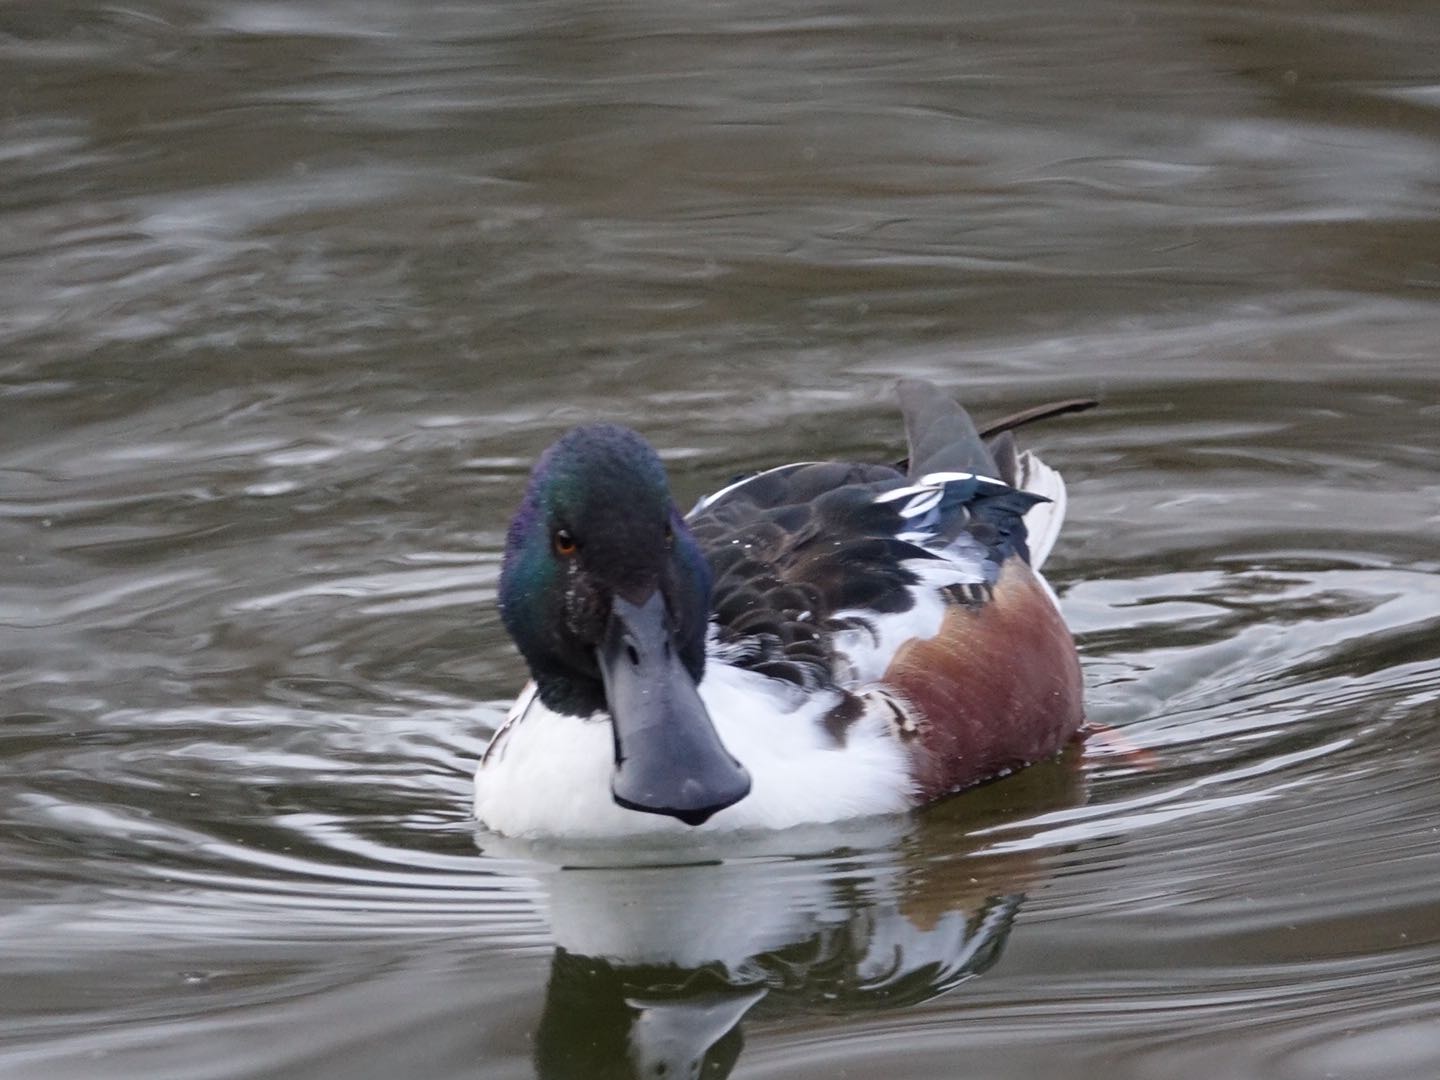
[607, 596]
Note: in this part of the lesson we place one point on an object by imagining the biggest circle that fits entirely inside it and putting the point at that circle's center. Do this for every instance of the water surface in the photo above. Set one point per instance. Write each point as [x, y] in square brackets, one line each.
[291, 295]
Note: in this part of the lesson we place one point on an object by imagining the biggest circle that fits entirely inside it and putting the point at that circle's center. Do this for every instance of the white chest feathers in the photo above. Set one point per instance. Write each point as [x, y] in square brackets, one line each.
[548, 776]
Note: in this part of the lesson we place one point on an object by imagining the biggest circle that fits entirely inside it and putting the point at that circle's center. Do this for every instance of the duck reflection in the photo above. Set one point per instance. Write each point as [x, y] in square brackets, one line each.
[656, 967]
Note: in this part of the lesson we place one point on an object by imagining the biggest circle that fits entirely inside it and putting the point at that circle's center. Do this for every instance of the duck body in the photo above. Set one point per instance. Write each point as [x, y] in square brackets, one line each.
[818, 642]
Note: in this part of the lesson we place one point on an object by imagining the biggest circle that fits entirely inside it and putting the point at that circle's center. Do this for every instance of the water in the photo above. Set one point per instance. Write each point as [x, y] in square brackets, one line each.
[292, 295]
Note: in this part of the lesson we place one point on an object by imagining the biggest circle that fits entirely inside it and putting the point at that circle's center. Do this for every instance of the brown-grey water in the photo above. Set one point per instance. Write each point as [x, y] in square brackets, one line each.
[292, 293]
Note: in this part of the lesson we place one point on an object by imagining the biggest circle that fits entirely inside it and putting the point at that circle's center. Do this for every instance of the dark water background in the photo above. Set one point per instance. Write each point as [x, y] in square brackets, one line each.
[291, 294]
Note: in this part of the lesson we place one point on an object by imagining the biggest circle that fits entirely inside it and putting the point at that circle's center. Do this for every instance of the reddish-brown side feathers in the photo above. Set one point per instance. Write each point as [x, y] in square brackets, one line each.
[999, 687]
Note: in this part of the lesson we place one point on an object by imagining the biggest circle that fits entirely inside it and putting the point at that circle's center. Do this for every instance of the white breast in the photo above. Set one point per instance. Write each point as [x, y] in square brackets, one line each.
[547, 775]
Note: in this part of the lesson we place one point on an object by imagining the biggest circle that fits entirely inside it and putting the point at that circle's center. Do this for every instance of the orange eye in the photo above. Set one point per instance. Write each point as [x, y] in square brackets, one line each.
[564, 543]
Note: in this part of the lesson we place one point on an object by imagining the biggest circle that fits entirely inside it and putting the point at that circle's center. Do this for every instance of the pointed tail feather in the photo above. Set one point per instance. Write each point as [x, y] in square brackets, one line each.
[941, 434]
[1038, 412]
[943, 438]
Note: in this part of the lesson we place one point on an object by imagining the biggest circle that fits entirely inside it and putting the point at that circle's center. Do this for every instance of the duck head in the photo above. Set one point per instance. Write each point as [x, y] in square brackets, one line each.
[607, 595]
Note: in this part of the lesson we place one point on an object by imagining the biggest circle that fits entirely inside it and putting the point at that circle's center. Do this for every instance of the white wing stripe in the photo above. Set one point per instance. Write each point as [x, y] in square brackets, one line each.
[951, 477]
[922, 503]
[707, 501]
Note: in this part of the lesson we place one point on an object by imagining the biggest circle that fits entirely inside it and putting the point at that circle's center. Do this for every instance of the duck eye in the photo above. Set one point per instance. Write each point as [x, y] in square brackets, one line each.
[564, 543]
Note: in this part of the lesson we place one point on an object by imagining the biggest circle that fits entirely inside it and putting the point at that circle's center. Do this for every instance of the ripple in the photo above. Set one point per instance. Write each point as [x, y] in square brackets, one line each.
[294, 295]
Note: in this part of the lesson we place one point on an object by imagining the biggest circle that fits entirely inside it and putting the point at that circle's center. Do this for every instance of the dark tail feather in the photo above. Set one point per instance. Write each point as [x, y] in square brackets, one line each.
[941, 435]
[1007, 460]
[943, 438]
[1039, 412]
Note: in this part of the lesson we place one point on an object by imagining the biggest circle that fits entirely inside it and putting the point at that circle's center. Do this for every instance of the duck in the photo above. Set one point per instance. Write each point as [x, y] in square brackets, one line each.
[816, 643]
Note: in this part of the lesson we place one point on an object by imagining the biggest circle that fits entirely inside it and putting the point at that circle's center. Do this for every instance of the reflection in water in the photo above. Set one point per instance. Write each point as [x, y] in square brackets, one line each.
[656, 967]
[602, 1020]
[292, 294]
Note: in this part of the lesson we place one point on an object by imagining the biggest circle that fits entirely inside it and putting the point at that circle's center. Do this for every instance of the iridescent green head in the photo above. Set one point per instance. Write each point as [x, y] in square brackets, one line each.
[607, 597]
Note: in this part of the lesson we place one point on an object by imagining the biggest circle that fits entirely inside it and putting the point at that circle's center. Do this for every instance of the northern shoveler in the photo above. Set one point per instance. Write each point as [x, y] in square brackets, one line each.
[817, 642]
